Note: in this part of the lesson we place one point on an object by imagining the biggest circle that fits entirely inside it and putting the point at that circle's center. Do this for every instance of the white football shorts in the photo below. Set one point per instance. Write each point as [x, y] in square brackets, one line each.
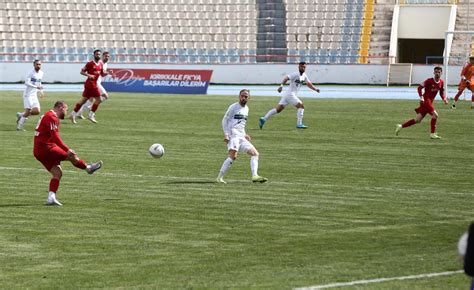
[31, 101]
[239, 144]
[101, 88]
[289, 99]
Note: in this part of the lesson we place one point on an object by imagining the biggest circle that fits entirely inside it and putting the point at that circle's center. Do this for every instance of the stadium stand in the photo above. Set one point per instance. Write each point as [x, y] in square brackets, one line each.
[201, 31]
[178, 31]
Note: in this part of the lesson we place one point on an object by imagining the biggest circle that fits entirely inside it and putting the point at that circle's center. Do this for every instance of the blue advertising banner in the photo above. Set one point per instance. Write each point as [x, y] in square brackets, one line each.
[158, 81]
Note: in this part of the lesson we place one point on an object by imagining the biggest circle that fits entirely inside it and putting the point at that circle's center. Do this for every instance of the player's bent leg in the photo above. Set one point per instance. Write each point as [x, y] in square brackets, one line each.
[88, 105]
[21, 119]
[279, 108]
[419, 118]
[104, 97]
[35, 111]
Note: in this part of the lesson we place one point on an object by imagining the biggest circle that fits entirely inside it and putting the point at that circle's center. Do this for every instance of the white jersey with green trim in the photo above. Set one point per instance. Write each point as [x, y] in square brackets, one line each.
[296, 81]
[32, 81]
[235, 119]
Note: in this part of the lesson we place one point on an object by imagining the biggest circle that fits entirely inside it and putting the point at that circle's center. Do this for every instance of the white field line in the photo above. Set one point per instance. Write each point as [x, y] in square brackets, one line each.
[379, 280]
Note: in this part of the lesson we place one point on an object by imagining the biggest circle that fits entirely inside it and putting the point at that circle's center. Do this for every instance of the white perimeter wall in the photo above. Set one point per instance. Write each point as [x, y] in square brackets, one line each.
[237, 74]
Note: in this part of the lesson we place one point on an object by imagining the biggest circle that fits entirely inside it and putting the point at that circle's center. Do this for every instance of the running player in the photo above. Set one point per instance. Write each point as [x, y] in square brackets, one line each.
[297, 79]
[92, 70]
[30, 95]
[431, 88]
[103, 93]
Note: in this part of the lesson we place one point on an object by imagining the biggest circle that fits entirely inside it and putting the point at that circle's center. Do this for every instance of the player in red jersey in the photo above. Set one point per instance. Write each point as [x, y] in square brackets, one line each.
[92, 70]
[467, 81]
[431, 88]
[50, 150]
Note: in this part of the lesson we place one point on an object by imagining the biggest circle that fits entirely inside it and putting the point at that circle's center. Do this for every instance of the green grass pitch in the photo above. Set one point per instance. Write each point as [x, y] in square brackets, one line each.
[346, 199]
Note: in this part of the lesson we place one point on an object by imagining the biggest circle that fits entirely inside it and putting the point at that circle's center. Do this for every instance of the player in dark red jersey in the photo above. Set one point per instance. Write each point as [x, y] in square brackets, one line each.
[50, 150]
[431, 88]
[92, 70]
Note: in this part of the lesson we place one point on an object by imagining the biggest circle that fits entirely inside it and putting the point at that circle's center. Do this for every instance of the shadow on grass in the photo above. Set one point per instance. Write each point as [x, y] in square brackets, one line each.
[190, 182]
[21, 205]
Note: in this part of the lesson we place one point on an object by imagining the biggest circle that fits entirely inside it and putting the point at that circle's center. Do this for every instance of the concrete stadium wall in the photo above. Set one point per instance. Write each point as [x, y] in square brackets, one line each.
[237, 74]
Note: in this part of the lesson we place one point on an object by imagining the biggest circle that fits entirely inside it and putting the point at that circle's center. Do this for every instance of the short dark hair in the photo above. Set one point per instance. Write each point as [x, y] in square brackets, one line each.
[97, 50]
[438, 67]
[302, 62]
[59, 104]
[36, 60]
[244, 90]
[105, 52]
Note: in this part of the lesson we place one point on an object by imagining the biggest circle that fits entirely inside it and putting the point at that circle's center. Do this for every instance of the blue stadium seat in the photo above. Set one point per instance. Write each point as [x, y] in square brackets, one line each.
[193, 59]
[71, 50]
[82, 58]
[233, 57]
[213, 59]
[71, 58]
[60, 58]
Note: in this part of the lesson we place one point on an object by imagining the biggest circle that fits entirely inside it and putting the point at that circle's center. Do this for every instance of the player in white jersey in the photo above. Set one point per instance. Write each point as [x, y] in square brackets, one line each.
[103, 93]
[30, 95]
[236, 139]
[297, 79]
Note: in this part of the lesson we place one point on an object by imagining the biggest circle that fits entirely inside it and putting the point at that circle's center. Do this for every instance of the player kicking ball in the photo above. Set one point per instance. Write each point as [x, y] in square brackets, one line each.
[236, 139]
[50, 150]
[431, 88]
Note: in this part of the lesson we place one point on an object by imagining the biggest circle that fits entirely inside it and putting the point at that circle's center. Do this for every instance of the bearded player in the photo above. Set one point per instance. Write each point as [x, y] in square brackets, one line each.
[92, 70]
[50, 150]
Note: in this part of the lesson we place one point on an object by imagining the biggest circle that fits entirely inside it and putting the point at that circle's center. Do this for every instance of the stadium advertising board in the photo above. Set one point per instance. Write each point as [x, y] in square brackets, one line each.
[168, 81]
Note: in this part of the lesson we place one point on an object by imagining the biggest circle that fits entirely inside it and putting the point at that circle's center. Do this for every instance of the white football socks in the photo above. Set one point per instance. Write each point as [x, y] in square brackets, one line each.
[270, 113]
[21, 122]
[299, 116]
[87, 104]
[225, 166]
[254, 165]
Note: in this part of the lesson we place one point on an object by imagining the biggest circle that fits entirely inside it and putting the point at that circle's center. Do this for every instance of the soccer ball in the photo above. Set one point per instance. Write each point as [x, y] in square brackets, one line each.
[156, 150]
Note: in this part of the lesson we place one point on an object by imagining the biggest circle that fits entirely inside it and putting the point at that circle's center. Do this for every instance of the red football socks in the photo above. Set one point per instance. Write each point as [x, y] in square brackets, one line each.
[433, 125]
[54, 185]
[80, 164]
[409, 123]
[94, 107]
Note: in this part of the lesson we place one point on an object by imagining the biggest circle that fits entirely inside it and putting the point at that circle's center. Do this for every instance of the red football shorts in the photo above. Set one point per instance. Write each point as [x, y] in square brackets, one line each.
[50, 156]
[425, 107]
[92, 92]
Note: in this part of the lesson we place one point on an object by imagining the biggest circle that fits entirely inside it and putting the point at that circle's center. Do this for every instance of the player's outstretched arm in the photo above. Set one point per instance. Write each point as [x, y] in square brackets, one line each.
[311, 86]
[283, 82]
